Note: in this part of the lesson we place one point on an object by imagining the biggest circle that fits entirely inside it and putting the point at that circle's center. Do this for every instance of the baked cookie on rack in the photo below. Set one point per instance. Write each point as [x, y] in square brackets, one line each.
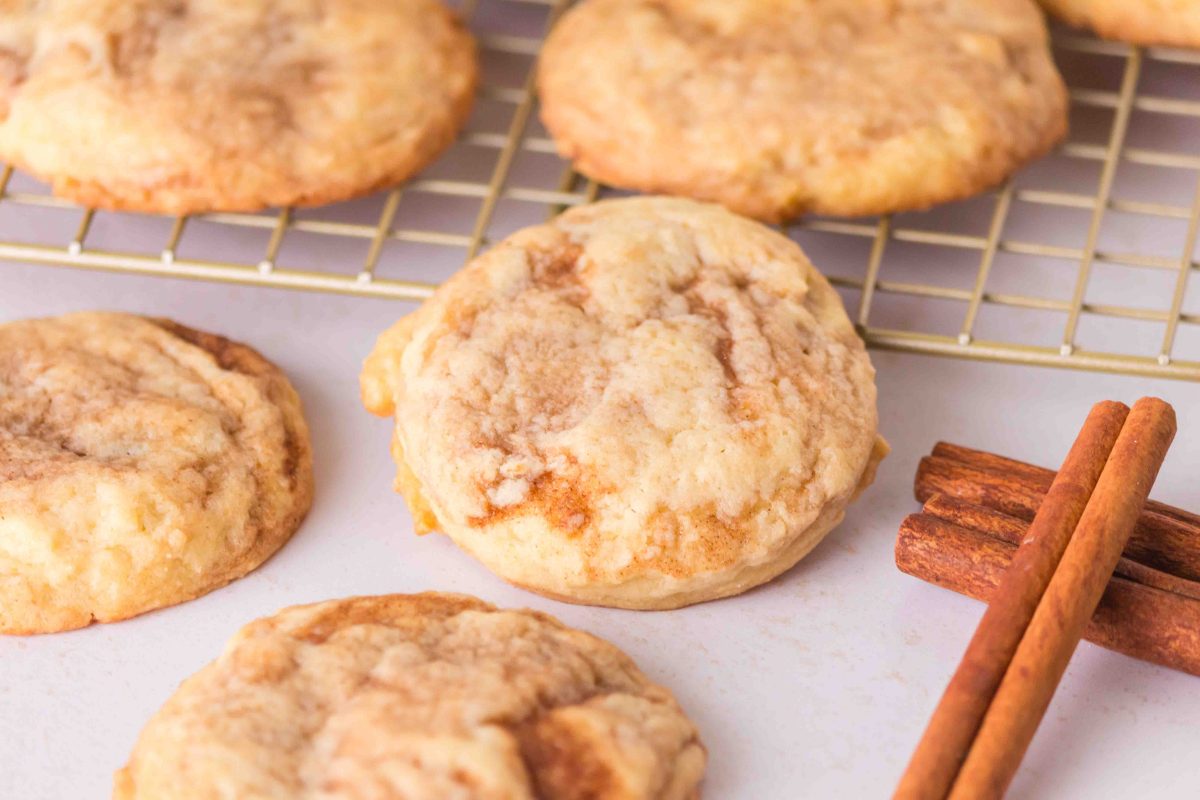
[644, 403]
[177, 106]
[142, 464]
[779, 107]
[1163, 22]
[416, 696]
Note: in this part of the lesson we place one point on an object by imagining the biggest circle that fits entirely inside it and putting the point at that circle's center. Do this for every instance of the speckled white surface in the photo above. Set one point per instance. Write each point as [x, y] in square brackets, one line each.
[816, 685]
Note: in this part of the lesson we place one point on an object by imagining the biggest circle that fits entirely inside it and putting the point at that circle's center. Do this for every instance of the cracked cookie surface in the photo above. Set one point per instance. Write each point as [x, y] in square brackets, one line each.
[644, 403]
[422, 697]
[779, 107]
[142, 463]
[179, 106]
[1150, 22]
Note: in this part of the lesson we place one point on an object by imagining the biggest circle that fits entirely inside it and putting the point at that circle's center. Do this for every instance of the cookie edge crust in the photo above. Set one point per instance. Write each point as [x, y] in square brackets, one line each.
[239, 357]
[1129, 24]
[920, 195]
[645, 592]
[235, 357]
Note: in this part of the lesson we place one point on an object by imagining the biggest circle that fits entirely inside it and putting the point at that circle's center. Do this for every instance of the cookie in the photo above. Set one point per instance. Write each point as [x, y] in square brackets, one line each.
[645, 403]
[1165, 22]
[421, 697]
[778, 107]
[179, 106]
[142, 464]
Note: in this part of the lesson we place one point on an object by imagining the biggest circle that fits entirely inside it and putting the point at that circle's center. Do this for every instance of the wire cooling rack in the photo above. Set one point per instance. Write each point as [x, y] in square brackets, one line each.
[1080, 261]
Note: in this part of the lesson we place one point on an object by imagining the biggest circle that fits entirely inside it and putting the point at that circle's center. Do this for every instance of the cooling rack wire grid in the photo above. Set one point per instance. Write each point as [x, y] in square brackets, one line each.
[1081, 261]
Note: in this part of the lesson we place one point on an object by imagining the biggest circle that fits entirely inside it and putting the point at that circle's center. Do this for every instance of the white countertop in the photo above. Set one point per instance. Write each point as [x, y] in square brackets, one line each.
[816, 685]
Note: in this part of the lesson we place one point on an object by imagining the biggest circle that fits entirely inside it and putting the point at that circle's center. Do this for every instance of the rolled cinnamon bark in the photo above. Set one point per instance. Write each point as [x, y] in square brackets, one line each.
[1166, 538]
[962, 708]
[1012, 530]
[1141, 621]
[1071, 598]
[1040, 476]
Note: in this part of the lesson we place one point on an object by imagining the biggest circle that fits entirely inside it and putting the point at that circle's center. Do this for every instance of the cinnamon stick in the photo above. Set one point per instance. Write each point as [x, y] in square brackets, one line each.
[1042, 476]
[1001, 526]
[948, 737]
[1141, 621]
[1166, 538]
[1069, 601]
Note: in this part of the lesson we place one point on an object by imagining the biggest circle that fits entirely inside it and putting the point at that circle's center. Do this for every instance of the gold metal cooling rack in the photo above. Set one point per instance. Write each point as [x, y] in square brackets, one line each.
[1080, 261]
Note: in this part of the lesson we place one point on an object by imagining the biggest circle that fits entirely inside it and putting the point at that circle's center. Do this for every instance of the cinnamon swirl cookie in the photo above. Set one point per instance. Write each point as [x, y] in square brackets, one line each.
[778, 107]
[180, 106]
[422, 697]
[142, 464]
[645, 403]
